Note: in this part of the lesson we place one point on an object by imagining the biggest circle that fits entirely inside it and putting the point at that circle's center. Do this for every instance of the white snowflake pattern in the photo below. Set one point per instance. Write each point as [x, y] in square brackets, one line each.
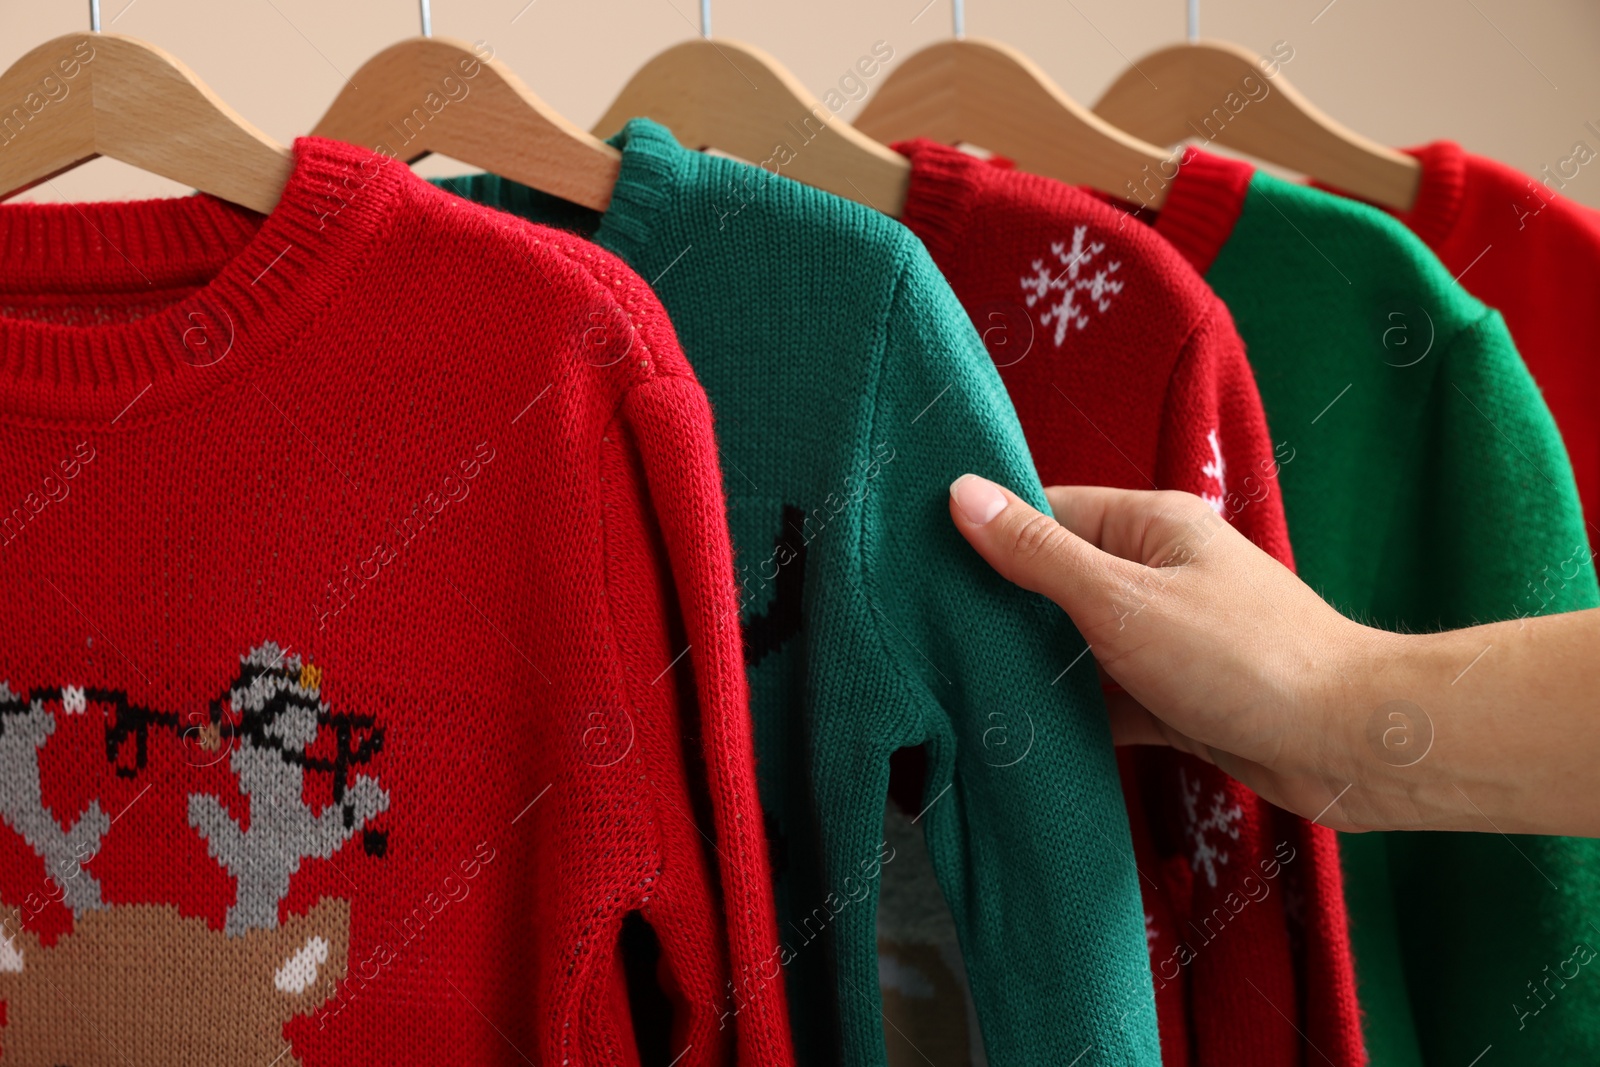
[1217, 469]
[1074, 278]
[73, 699]
[1220, 819]
[1151, 931]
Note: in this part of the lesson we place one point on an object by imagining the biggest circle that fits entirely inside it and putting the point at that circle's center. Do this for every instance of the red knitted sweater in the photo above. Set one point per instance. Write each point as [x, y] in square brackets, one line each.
[372, 643]
[1533, 255]
[1126, 370]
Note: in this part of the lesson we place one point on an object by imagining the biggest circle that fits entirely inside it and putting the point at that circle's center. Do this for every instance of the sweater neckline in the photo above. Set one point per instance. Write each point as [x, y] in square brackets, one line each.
[1204, 205]
[646, 184]
[251, 284]
[1440, 194]
[939, 200]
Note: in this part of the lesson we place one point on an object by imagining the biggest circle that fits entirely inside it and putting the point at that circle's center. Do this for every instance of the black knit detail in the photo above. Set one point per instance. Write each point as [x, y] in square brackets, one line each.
[772, 629]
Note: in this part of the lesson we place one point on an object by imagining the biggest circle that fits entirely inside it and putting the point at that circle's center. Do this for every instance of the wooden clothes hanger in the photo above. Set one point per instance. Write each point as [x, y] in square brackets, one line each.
[1190, 90]
[990, 95]
[105, 94]
[434, 94]
[717, 93]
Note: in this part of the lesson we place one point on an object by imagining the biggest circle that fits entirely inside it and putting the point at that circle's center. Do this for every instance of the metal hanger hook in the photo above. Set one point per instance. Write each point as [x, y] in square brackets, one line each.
[426, 10]
[705, 18]
[94, 16]
[1194, 21]
[958, 18]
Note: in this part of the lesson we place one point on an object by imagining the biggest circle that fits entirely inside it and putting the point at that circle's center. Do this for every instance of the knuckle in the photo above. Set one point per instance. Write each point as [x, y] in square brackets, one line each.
[1038, 536]
[1181, 510]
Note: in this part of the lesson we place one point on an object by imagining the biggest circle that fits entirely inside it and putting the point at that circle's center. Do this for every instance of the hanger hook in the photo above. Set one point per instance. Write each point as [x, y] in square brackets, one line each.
[426, 9]
[1194, 21]
[958, 18]
[94, 16]
[705, 18]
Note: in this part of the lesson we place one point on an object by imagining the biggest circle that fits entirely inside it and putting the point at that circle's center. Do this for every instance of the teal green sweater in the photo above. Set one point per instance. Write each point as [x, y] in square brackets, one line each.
[850, 389]
[1428, 489]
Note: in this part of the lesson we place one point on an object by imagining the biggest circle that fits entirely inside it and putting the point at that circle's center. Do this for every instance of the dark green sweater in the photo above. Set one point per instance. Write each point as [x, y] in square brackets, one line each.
[850, 389]
[1428, 489]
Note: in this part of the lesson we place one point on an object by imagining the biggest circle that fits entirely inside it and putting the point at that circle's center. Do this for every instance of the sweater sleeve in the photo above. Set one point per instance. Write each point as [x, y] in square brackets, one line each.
[1501, 509]
[672, 419]
[1503, 503]
[1022, 812]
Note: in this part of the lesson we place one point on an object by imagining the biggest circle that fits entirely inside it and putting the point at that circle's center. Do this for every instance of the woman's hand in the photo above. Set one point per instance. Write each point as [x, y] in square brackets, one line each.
[1222, 652]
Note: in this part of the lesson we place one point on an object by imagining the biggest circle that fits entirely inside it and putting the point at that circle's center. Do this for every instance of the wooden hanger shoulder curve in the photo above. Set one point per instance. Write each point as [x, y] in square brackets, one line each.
[991, 95]
[1222, 92]
[106, 94]
[436, 94]
[717, 93]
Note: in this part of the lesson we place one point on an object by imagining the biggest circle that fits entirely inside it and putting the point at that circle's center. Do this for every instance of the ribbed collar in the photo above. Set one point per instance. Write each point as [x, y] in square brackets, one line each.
[258, 283]
[652, 162]
[1203, 205]
[945, 184]
[646, 185]
[1441, 193]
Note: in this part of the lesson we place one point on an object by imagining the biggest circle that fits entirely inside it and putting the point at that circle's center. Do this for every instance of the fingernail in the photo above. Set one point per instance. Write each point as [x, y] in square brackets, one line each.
[978, 498]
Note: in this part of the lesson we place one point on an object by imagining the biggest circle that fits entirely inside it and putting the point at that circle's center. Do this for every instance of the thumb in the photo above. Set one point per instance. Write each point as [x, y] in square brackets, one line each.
[1034, 550]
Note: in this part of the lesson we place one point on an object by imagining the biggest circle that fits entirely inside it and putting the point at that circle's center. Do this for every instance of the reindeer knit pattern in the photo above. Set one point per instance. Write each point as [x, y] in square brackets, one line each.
[1429, 490]
[372, 656]
[850, 390]
[1126, 370]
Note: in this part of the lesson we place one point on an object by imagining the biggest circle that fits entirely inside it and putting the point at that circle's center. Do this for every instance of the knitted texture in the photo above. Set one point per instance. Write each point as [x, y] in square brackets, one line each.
[1427, 489]
[1533, 255]
[1126, 370]
[364, 567]
[849, 391]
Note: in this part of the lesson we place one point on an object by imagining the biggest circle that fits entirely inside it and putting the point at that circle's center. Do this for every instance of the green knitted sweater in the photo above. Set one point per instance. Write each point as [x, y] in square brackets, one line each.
[1428, 489]
[849, 390]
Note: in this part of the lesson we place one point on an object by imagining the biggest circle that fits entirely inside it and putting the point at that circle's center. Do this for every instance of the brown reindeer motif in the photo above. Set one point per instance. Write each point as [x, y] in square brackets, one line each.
[139, 984]
[136, 983]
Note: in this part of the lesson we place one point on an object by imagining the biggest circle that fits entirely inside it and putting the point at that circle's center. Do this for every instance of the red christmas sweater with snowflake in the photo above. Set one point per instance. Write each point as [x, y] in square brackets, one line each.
[1126, 370]
[1533, 255]
[372, 648]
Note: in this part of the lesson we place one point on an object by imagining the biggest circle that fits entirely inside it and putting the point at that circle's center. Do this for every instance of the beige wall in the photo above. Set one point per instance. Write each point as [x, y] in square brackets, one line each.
[1516, 81]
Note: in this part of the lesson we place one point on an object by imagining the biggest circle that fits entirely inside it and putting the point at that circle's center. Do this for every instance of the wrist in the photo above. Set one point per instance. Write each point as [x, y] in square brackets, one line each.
[1418, 756]
[1381, 713]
